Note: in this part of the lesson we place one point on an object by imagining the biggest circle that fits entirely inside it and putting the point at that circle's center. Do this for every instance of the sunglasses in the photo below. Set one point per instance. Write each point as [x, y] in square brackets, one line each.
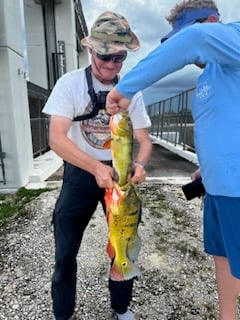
[116, 58]
[200, 20]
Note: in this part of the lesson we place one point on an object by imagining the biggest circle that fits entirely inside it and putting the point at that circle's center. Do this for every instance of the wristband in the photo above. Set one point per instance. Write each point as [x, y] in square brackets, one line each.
[140, 163]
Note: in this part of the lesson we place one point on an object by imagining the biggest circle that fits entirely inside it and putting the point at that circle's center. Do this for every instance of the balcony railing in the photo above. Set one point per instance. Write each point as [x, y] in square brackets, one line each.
[37, 98]
[172, 120]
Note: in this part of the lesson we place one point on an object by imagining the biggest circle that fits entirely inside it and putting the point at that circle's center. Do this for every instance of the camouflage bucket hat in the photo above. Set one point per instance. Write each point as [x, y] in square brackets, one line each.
[111, 33]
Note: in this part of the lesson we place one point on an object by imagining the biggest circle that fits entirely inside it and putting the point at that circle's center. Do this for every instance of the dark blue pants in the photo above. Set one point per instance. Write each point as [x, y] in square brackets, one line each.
[74, 208]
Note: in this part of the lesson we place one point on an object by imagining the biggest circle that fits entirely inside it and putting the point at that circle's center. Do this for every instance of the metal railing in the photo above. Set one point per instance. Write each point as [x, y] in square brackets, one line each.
[172, 120]
[37, 98]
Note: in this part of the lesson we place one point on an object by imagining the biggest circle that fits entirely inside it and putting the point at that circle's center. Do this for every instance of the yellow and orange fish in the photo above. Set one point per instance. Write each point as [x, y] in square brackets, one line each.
[123, 203]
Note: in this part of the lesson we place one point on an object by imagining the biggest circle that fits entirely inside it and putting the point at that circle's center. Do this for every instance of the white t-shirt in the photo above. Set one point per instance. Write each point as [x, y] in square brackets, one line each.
[69, 98]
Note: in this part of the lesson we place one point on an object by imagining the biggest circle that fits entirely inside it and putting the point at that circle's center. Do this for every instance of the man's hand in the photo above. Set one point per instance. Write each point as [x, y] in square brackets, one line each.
[195, 175]
[139, 174]
[104, 175]
[115, 102]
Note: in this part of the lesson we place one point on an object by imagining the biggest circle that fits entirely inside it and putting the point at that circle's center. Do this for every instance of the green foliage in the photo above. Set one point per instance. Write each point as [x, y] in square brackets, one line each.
[13, 204]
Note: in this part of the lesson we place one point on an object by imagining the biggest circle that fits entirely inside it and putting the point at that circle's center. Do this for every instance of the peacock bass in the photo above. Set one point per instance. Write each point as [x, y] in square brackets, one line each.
[123, 206]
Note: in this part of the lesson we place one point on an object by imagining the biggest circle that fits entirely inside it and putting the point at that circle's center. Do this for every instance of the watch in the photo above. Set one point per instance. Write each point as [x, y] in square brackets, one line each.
[140, 163]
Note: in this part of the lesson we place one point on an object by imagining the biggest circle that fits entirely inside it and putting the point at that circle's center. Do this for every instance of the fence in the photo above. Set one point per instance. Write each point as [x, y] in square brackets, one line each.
[172, 120]
[37, 98]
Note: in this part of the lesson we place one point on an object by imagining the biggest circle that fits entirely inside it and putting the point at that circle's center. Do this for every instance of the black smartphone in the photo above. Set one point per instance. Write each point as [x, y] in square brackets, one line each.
[193, 189]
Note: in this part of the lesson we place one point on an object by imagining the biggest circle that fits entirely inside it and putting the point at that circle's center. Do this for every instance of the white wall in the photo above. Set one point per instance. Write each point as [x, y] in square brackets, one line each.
[14, 113]
[65, 29]
[84, 58]
[37, 65]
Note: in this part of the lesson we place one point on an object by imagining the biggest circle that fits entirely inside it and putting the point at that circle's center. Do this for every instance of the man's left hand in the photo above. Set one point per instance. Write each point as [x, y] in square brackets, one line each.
[139, 174]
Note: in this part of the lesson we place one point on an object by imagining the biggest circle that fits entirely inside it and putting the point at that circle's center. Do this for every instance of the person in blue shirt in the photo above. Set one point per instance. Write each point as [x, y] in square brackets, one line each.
[200, 38]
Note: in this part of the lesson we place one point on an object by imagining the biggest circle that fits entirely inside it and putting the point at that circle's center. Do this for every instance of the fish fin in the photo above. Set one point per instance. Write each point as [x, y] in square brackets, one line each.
[134, 246]
[112, 125]
[107, 144]
[108, 198]
[133, 273]
[117, 273]
[110, 250]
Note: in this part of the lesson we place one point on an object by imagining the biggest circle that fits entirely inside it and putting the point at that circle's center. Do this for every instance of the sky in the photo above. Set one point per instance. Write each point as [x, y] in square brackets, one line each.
[147, 20]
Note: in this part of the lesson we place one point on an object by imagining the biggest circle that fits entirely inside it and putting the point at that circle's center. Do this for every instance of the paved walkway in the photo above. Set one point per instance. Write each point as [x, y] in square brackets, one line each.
[164, 166]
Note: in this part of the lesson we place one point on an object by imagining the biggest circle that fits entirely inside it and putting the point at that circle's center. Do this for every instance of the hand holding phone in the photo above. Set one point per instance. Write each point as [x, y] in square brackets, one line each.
[193, 189]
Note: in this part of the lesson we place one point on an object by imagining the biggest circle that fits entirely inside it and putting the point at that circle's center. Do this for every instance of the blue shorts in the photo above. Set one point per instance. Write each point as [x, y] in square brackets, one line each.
[222, 229]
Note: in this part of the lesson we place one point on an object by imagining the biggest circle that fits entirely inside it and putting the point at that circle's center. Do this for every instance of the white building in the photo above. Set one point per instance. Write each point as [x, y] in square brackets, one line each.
[39, 41]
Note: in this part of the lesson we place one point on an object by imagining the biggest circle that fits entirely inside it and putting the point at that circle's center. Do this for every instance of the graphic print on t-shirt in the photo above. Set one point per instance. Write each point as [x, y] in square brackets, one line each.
[96, 130]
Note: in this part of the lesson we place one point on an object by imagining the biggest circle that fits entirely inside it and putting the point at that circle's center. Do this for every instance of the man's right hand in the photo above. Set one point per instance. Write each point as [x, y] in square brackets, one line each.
[104, 175]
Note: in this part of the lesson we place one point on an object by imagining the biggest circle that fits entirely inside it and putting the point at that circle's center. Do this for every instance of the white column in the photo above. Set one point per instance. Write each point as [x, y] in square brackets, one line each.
[14, 111]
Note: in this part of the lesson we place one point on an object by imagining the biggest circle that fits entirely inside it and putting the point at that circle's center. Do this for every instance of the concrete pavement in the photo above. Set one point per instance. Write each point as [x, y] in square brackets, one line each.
[164, 166]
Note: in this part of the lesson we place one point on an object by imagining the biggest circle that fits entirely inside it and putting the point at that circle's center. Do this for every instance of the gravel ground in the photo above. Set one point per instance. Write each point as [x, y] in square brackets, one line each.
[177, 279]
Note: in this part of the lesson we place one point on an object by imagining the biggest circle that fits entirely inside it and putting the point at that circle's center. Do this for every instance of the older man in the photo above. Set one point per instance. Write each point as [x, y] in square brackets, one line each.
[79, 128]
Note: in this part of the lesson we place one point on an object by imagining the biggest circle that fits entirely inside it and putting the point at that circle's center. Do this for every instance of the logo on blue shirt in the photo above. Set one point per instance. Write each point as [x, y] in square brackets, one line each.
[202, 92]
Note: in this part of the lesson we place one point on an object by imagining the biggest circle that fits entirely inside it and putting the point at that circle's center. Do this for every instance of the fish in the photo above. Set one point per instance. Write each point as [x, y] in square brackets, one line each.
[123, 204]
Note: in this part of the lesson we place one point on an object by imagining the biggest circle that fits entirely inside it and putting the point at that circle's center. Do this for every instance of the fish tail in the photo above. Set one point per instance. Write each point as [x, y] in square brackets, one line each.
[133, 249]
[117, 273]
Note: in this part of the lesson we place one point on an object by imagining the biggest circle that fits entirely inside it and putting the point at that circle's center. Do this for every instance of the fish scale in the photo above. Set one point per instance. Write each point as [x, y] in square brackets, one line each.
[123, 204]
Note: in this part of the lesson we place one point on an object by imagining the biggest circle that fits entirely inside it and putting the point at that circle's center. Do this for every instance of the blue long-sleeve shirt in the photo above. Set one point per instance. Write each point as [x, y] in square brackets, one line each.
[216, 102]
